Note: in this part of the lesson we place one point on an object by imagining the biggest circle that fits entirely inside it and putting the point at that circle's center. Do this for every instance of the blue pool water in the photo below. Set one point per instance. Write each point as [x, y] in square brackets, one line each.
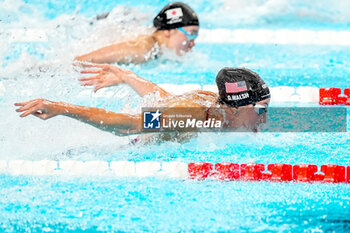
[56, 204]
[156, 205]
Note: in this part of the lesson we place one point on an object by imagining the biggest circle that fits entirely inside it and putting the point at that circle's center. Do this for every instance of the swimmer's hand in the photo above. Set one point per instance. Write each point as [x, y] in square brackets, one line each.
[107, 75]
[44, 109]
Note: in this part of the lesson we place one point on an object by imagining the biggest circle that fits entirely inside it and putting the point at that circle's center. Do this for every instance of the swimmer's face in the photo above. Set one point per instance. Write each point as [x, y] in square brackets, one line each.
[250, 118]
[247, 117]
[179, 41]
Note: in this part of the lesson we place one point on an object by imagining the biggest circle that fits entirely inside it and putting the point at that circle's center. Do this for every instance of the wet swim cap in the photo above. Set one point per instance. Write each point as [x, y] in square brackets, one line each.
[175, 15]
[240, 87]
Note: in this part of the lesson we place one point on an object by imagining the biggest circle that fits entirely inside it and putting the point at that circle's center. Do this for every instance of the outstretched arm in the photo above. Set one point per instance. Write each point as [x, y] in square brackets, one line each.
[117, 123]
[108, 75]
[124, 52]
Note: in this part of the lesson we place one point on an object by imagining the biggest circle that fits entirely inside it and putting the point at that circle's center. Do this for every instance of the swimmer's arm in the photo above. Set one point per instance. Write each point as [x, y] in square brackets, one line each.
[144, 87]
[116, 123]
[109, 75]
[124, 52]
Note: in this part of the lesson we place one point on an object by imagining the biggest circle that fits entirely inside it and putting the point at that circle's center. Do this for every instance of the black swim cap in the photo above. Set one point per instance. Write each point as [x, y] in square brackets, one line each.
[240, 87]
[175, 15]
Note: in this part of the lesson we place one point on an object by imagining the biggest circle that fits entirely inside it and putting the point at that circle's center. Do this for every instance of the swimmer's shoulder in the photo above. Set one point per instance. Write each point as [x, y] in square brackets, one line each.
[146, 42]
[141, 49]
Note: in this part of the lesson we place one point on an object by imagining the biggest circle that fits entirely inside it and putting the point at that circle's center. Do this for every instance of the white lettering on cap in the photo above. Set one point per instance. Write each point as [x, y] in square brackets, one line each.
[238, 97]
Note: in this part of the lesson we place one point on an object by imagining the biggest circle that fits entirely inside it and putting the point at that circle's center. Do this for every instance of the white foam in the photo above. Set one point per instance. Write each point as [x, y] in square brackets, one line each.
[29, 35]
[85, 93]
[123, 168]
[102, 93]
[2, 89]
[212, 88]
[144, 169]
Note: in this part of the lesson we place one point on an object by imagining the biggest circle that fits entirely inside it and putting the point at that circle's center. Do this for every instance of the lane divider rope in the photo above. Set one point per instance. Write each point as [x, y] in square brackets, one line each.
[278, 172]
[302, 94]
[222, 35]
[279, 36]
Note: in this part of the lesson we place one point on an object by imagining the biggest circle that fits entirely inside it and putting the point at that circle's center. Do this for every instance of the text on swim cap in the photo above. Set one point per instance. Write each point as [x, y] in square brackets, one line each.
[238, 97]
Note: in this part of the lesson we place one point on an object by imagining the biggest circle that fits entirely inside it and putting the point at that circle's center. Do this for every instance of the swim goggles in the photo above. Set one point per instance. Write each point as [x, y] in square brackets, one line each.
[188, 35]
[260, 109]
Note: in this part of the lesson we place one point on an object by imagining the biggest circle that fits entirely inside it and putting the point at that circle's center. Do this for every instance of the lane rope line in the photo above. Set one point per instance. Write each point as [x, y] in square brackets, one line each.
[278, 172]
[222, 35]
[302, 94]
[279, 36]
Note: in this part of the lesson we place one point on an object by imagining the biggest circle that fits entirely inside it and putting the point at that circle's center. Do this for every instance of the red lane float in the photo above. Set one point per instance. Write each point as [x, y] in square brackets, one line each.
[330, 96]
[347, 93]
[304, 172]
[278, 172]
[333, 173]
[252, 171]
[199, 170]
[227, 171]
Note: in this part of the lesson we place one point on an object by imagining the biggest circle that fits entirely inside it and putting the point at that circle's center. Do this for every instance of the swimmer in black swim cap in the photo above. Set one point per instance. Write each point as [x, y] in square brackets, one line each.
[245, 91]
[179, 24]
[176, 27]
[241, 103]
[175, 15]
[240, 87]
